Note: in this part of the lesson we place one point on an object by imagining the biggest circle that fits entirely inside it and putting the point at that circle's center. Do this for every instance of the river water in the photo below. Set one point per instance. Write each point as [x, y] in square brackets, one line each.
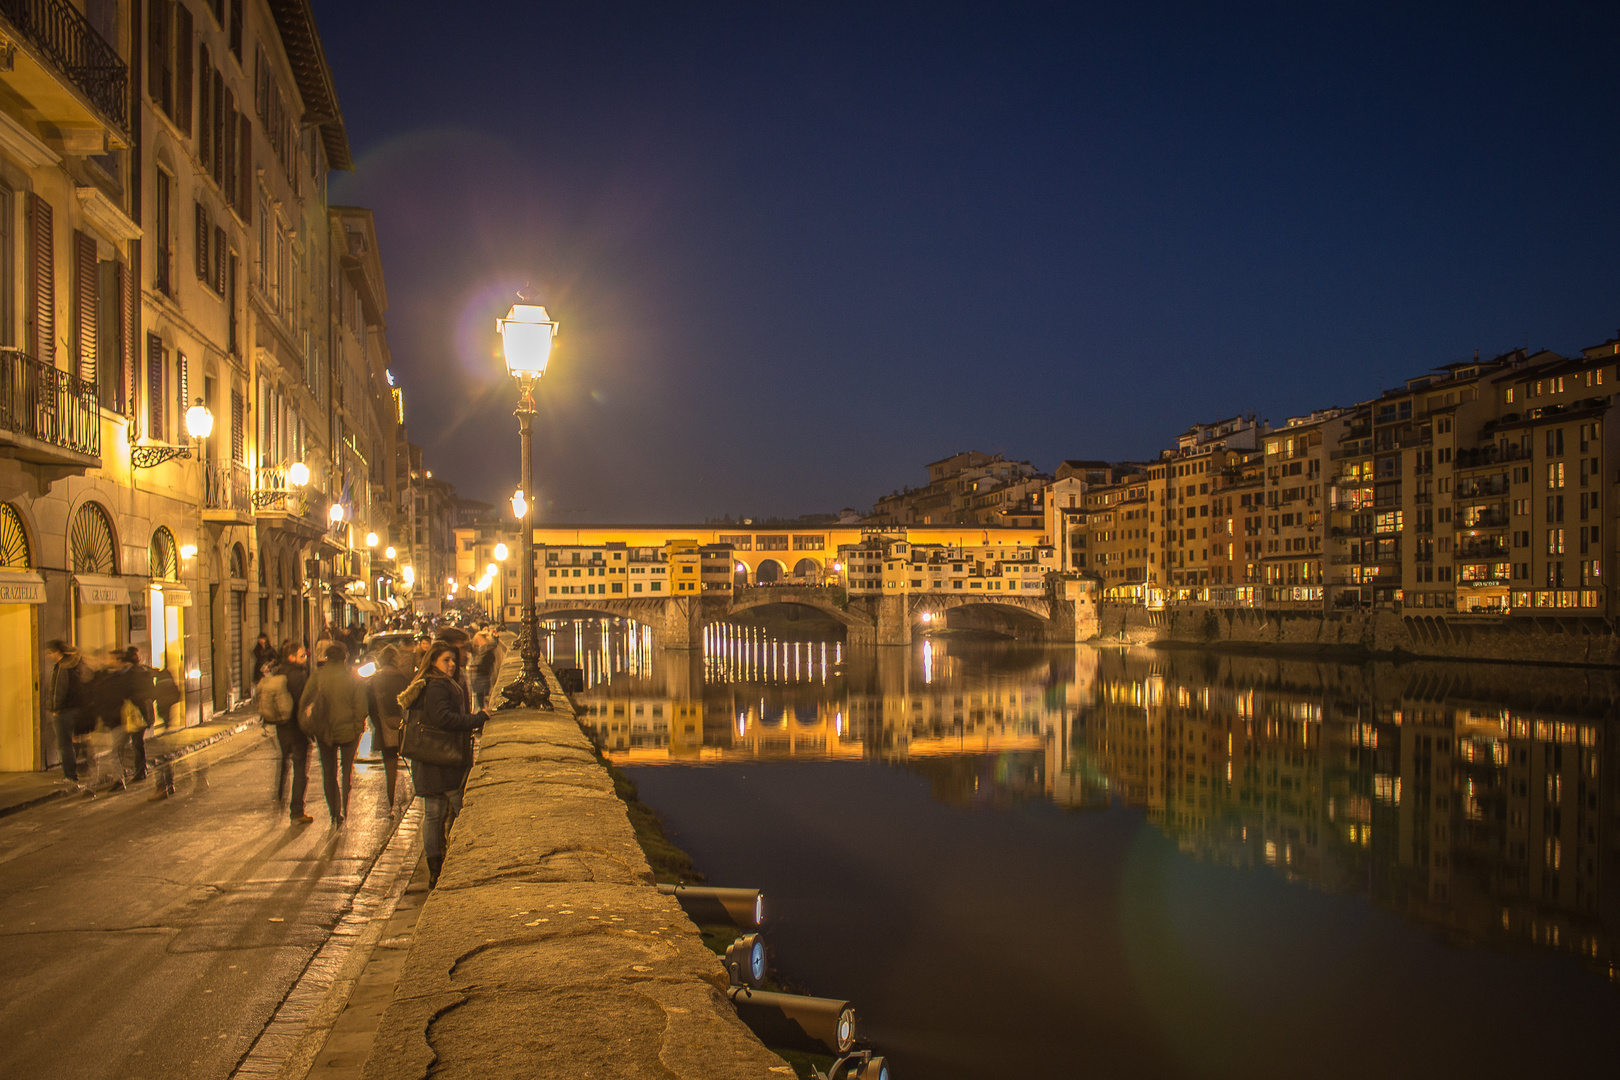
[1032, 861]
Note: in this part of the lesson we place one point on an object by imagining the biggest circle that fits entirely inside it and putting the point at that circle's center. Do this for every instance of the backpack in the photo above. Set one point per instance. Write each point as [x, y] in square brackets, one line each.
[275, 700]
[168, 691]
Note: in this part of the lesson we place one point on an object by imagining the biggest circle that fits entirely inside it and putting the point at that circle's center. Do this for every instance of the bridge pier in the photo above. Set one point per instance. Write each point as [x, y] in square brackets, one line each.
[893, 618]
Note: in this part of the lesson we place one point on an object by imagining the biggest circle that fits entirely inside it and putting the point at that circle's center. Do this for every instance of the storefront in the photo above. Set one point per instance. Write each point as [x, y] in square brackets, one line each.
[100, 610]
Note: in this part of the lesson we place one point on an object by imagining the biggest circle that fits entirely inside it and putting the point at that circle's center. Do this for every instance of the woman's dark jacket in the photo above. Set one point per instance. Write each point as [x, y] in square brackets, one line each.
[445, 705]
[382, 700]
[297, 679]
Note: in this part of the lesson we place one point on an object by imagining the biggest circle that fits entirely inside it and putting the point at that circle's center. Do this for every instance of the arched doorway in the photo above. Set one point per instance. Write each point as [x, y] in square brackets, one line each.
[769, 572]
[21, 591]
[235, 621]
[93, 554]
[740, 577]
[167, 621]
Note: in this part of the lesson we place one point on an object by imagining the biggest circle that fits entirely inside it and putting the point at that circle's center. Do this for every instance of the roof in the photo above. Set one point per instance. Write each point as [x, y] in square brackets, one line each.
[302, 42]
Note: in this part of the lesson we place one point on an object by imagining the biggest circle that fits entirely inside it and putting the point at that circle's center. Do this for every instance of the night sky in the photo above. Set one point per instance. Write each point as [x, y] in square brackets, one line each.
[800, 250]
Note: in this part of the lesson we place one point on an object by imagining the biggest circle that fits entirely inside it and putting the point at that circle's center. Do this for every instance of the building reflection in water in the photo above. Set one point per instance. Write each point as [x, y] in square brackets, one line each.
[1478, 799]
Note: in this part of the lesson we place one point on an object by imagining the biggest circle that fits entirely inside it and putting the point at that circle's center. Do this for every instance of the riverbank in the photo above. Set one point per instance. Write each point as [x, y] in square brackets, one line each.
[1360, 635]
[546, 951]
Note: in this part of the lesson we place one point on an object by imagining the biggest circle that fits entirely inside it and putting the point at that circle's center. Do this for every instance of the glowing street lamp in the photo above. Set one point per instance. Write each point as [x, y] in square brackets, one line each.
[527, 334]
[335, 514]
[390, 553]
[500, 552]
[407, 574]
[199, 421]
[371, 539]
[298, 474]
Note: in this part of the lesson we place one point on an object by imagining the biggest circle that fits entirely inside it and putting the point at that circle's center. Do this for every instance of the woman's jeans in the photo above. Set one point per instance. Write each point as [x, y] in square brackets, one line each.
[337, 804]
[437, 813]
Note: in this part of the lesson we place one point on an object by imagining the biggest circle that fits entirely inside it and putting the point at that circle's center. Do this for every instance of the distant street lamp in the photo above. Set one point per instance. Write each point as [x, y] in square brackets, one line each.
[390, 553]
[526, 336]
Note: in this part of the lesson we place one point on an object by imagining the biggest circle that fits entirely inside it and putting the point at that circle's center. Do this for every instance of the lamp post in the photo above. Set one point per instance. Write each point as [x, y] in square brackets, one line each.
[199, 425]
[501, 554]
[526, 337]
[335, 517]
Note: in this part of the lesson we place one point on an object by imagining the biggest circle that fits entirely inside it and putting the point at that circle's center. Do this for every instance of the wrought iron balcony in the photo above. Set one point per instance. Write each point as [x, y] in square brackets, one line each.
[71, 44]
[49, 407]
[227, 486]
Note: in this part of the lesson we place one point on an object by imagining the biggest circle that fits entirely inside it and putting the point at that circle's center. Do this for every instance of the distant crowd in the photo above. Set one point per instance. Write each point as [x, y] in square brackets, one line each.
[422, 690]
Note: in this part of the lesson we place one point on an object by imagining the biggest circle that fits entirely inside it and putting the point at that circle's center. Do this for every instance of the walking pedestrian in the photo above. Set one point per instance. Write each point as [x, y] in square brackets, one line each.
[294, 744]
[125, 694]
[382, 698]
[332, 711]
[70, 703]
[265, 656]
[483, 668]
[438, 694]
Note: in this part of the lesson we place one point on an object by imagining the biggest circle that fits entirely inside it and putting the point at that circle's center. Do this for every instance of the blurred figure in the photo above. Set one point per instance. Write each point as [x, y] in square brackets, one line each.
[294, 667]
[332, 711]
[70, 703]
[382, 697]
[265, 656]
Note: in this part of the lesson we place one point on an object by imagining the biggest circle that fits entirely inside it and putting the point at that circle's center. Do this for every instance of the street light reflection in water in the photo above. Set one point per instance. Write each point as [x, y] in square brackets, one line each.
[1234, 864]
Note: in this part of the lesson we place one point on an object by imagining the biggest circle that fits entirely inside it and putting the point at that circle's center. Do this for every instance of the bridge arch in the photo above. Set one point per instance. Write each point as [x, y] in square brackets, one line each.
[1025, 620]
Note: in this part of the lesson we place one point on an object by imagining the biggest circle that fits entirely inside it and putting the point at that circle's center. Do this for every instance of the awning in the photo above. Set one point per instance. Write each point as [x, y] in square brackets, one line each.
[174, 595]
[21, 587]
[101, 589]
[365, 603]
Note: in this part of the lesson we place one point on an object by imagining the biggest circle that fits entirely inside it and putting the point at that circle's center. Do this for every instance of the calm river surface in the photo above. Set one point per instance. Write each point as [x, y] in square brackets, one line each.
[1028, 861]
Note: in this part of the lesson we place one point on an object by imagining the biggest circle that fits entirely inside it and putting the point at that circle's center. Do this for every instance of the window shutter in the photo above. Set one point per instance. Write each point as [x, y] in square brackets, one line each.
[205, 112]
[219, 260]
[228, 115]
[247, 169]
[154, 387]
[86, 304]
[202, 242]
[155, 11]
[219, 128]
[41, 279]
[129, 311]
[182, 394]
[238, 443]
[236, 28]
[183, 59]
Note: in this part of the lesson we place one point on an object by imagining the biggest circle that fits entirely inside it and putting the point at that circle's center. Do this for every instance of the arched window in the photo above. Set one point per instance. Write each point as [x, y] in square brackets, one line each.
[14, 552]
[91, 548]
[165, 560]
[238, 561]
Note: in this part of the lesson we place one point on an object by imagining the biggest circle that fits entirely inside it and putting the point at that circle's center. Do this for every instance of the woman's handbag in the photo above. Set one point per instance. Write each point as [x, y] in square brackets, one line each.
[422, 742]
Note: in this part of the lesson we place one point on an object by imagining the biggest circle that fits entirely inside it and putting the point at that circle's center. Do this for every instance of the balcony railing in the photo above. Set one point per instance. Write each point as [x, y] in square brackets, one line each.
[227, 486]
[272, 494]
[48, 404]
[72, 44]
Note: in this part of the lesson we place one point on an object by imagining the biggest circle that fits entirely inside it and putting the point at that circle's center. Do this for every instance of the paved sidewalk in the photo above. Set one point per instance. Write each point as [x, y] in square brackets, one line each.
[20, 790]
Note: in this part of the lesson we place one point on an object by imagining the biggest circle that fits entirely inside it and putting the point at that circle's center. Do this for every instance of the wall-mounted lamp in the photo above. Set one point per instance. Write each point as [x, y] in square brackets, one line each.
[389, 554]
[371, 539]
[188, 551]
[298, 474]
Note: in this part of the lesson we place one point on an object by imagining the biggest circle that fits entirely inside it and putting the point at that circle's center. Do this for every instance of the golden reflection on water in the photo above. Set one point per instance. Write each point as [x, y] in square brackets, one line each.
[1479, 798]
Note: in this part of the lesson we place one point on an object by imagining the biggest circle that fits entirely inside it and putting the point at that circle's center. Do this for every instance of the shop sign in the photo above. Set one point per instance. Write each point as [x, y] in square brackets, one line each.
[22, 589]
[96, 590]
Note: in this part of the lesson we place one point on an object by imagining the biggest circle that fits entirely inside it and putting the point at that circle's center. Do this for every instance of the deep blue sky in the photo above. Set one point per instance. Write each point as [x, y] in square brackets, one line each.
[800, 250]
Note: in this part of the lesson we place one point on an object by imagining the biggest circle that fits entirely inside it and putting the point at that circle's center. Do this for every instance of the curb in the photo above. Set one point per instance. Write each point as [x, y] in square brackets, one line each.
[158, 759]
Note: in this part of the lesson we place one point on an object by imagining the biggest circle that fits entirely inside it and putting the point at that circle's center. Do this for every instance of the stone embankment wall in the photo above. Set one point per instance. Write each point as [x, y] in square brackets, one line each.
[546, 951]
[1526, 639]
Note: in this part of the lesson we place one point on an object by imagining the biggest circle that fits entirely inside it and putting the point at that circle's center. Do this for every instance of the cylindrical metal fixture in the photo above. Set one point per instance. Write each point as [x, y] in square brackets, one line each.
[739, 907]
[745, 961]
[791, 1022]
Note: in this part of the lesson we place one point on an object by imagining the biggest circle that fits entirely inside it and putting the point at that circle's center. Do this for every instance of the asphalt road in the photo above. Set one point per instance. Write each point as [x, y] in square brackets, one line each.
[145, 939]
